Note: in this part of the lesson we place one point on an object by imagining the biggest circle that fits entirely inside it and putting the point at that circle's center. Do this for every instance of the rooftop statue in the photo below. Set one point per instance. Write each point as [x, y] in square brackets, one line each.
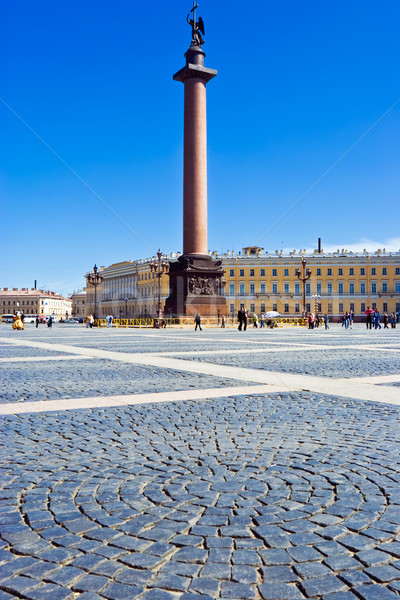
[197, 27]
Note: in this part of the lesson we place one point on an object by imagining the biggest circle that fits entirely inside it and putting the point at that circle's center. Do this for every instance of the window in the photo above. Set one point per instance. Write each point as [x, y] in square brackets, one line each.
[274, 273]
[384, 286]
[329, 272]
[397, 270]
[262, 288]
[262, 272]
[352, 306]
[275, 306]
[318, 272]
[373, 271]
[286, 307]
[319, 307]
[286, 288]
[252, 288]
[262, 307]
[362, 271]
[329, 307]
[286, 272]
[252, 308]
[362, 288]
[274, 288]
[251, 272]
[351, 289]
[397, 287]
[231, 289]
[308, 307]
[384, 271]
[241, 289]
[374, 306]
[397, 306]
[340, 307]
[232, 308]
[319, 288]
[385, 307]
[340, 271]
[340, 288]
[362, 306]
[241, 272]
[297, 288]
[297, 307]
[351, 272]
[308, 288]
[373, 287]
[231, 273]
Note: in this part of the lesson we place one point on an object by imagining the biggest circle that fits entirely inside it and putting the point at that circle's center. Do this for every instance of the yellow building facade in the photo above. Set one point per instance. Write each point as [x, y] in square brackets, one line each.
[262, 281]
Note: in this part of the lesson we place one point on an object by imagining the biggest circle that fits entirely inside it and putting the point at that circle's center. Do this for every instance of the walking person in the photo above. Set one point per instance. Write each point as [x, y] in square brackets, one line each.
[255, 320]
[368, 320]
[346, 320]
[223, 322]
[37, 321]
[385, 321]
[326, 321]
[377, 319]
[91, 321]
[393, 321]
[50, 321]
[197, 321]
[351, 318]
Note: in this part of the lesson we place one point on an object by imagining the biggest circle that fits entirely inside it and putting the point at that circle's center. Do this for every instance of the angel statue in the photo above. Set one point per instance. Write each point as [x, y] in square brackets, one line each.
[197, 27]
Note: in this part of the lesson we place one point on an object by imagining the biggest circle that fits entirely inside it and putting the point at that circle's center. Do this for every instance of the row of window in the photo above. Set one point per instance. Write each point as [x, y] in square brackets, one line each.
[32, 302]
[329, 288]
[297, 308]
[318, 272]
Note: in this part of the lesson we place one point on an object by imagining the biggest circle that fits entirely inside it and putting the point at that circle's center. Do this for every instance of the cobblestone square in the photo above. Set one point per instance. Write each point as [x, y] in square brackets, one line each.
[182, 465]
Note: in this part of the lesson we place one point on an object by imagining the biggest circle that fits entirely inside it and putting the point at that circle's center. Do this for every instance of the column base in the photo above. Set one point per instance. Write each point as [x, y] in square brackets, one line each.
[195, 287]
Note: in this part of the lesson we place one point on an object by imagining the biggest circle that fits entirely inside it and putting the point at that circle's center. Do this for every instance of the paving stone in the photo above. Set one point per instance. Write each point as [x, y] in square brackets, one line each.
[120, 591]
[169, 581]
[318, 586]
[383, 574]
[205, 585]
[90, 583]
[279, 591]
[375, 592]
[237, 590]
[240, 574]
[49, 591]
[279, 574]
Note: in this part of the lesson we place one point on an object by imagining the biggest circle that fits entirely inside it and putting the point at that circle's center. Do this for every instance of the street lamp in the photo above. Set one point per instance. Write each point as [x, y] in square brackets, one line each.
[159, 267]
[95, 279]
[316, 302]
[303, 275]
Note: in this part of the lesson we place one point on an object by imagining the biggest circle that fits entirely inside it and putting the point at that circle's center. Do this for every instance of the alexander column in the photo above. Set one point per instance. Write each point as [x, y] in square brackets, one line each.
[195, 279]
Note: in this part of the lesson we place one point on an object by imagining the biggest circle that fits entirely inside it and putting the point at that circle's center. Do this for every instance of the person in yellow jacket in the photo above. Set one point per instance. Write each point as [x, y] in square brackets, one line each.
[18, 324]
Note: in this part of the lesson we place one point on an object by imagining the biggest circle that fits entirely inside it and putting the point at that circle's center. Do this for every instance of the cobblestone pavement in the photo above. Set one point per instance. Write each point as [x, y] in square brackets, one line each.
[280, 496]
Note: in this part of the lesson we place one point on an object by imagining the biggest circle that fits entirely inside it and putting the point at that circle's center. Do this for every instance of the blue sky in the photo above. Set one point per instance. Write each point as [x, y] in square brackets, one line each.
[298, 84]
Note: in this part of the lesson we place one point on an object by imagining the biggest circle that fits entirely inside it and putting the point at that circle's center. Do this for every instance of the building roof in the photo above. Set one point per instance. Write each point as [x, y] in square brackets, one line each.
[29, 293]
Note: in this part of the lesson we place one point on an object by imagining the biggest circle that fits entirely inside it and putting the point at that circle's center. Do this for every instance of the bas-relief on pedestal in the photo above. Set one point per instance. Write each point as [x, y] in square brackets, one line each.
[195, 278]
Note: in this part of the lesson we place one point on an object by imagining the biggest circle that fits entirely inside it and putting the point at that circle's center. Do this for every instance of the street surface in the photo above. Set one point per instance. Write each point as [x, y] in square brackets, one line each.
[181, 465]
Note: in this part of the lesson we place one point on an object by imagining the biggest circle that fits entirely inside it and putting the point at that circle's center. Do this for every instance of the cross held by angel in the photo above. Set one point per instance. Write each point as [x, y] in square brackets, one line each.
[197, 27]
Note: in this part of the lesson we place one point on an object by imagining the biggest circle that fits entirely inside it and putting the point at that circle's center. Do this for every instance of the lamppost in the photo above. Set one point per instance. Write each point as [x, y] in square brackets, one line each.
[316, 303]
[95, 279]
[303, 275]
[159, 267]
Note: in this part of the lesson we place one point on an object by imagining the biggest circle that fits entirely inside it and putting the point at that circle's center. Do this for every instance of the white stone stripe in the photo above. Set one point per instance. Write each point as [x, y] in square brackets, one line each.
[376, 379]
[338, 387]
[17, 408]
[43, 358]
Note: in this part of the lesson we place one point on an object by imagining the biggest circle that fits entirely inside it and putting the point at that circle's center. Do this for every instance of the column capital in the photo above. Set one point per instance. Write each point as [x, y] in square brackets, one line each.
[195, 71]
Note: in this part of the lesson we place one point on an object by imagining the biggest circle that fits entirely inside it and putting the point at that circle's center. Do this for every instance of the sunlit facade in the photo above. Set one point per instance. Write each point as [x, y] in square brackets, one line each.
[263, 281]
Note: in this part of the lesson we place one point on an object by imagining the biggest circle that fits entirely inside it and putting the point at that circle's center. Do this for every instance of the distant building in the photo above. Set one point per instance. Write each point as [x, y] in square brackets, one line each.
[79, 304]
[34, 302]
[263, 281]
